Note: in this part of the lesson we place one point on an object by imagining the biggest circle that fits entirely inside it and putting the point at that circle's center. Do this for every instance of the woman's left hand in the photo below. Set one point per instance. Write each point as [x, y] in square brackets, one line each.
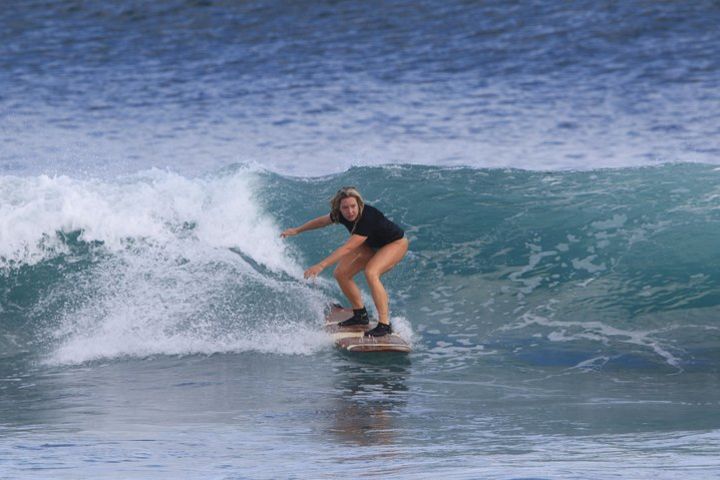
[314, 271]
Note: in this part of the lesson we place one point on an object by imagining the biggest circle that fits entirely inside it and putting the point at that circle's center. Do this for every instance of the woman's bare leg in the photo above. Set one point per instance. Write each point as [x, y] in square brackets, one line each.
[349, 266]
[383, 260]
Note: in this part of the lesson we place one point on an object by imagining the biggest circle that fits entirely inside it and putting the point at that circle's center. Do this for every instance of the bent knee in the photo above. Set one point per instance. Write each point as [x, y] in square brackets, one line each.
[341, 274]
[372, 274]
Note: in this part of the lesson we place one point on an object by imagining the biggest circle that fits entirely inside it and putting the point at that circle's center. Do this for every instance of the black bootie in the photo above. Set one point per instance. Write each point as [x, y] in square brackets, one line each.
[380, 330]
[360, 317]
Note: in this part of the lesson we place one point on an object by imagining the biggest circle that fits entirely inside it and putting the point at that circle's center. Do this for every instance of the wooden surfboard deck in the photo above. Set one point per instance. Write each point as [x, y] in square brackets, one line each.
[353, 338]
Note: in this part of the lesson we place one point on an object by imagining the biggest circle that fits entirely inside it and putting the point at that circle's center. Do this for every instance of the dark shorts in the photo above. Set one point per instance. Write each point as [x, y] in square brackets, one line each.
[375, 248]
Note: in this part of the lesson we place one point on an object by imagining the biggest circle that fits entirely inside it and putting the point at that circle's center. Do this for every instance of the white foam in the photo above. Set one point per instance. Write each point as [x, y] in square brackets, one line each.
[616, 221]
[294, 339]
[153, 206]
[586, 264]
[139, 317]
[166, 280]
[403, 328]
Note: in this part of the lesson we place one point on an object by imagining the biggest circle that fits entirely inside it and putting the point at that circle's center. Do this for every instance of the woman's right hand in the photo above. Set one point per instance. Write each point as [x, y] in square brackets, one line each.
[289, 232]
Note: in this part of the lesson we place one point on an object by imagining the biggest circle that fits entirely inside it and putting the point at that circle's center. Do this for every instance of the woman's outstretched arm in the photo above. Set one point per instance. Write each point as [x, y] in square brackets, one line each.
[319, 222]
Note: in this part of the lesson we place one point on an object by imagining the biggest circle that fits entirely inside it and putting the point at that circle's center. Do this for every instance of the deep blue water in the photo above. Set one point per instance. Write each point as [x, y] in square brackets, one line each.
[555, 167]
[315, 87]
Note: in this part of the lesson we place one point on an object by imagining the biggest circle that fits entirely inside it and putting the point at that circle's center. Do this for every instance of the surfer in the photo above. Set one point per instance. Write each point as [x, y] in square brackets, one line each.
[375, 246]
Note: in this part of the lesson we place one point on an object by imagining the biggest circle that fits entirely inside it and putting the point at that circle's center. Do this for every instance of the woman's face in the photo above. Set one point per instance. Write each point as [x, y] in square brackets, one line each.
[349, 208]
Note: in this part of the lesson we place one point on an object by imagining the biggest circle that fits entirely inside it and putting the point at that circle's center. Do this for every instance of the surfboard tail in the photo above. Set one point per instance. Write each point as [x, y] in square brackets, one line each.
[353, 338]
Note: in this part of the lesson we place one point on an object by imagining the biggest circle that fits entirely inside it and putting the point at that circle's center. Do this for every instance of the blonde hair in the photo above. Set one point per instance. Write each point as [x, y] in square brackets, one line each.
[343, 193]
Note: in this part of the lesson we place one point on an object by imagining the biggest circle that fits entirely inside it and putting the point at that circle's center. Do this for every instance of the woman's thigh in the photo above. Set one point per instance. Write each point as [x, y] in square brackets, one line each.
[387, 257]
[354, 262]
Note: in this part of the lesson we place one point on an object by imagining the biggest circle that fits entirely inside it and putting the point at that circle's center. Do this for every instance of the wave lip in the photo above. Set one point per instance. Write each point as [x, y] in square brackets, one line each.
[153, 206]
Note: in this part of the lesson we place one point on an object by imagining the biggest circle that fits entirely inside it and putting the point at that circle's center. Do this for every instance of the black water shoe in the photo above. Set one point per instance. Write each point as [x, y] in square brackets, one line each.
[380, 330]
[360, 317]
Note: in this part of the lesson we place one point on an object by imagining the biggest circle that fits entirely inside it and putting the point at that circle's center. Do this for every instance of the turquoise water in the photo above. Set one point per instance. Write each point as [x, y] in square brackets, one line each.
[555, 167]
[562, 323]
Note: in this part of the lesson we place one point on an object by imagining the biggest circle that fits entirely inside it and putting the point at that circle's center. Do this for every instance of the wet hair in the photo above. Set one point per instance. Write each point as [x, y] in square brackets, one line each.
[345, 192]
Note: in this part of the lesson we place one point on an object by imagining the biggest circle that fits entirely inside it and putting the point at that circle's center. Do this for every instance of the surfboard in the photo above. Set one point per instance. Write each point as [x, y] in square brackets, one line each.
[353, 338]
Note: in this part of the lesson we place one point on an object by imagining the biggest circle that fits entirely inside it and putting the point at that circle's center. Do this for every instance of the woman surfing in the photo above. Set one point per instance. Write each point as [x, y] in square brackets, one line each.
[375, 246]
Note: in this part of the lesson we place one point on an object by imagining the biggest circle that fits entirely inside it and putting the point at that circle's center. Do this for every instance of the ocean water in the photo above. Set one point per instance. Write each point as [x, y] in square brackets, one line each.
[556, 167]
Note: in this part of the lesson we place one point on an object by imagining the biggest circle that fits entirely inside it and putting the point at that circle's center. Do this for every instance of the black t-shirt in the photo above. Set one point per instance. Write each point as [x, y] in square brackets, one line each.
[372, 224]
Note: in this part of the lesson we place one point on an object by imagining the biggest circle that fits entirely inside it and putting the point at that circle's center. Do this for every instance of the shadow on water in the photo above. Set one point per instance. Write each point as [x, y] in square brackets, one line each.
[371, 391]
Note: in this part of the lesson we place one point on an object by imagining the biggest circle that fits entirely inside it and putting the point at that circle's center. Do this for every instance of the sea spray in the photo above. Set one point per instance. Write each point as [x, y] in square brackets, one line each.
[162, 264]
